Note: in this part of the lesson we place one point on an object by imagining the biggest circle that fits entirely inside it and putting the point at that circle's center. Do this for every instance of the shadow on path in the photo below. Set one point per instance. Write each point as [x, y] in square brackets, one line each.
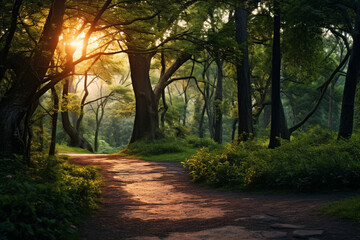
[153, 200]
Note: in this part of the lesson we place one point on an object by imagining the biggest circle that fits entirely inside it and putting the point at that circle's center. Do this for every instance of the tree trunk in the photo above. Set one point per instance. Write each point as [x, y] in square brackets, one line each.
[218, 103]
[185, 106]
[284, 130]
[233, 132]
[17, 103]
[330, 114]
[54, 118]
[266, 116]
[76, 140]
[165, 108]
[101, 108]
[275, 89]
[245, 127]
[347, 108]
[146, 124]
[201, 123]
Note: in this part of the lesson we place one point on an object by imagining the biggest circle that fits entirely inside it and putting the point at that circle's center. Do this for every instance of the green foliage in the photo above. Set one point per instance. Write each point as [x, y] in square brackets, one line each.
[168, 149]
[67, 149]
[310, 162]
[46, 200]
[348, 208]
[161, 146]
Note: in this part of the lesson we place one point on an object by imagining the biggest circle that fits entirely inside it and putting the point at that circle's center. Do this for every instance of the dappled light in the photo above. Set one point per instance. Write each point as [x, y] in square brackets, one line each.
[176, 119]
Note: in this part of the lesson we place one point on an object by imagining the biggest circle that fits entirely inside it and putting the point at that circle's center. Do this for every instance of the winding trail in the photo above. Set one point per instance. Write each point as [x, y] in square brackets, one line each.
[156, 200]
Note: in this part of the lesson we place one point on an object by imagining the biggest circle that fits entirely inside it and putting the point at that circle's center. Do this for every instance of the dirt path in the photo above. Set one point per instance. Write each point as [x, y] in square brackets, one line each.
[152, 200]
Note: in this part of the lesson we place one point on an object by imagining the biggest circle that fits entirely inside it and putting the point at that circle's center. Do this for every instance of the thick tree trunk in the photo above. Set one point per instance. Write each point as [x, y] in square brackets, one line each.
[245, 127]
[275, 86]
[18, 102]
[146, 124]
[76, 140]
[347, 108]
[54, 118]
[218, 103]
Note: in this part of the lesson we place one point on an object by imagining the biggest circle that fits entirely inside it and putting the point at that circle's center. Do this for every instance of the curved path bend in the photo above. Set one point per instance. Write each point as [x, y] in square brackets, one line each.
[156, 200]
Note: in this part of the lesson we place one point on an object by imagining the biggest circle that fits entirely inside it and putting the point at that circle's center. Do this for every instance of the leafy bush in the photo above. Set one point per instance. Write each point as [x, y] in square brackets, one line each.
[313, 161]
[201, 142]
[157, 147]
[45, 200]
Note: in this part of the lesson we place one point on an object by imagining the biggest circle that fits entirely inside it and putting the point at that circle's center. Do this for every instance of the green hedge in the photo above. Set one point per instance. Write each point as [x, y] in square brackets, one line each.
[310, 162]
[45, 201]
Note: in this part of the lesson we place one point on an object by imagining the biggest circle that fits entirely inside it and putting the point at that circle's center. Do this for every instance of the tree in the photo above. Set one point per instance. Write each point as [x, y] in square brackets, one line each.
[275, 86]
[347, 108]
[17, 105]
[245, 125]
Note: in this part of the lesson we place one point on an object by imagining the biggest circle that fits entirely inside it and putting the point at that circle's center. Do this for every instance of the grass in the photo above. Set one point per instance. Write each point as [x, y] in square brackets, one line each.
[67, 149]
[167, 149]
[170, 157]
[348, 209]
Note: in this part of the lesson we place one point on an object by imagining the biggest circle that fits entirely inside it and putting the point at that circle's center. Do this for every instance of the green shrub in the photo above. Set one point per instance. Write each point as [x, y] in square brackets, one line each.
[201, 142]
[348, 208]
[168, 148]
[45, 200]
[310, 162]
[157, 147]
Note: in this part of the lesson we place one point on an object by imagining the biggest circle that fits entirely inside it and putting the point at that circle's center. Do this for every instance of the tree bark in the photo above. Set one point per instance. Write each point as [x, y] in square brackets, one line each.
[284, 130]
[146, 124]
[201, 122]
[54, 118]
[266, 116]
[275, 86]
[233, 132]
[347, 108]
[218, 103]
[331, 96]
[164, 110]
[245, 126]
[17, 103]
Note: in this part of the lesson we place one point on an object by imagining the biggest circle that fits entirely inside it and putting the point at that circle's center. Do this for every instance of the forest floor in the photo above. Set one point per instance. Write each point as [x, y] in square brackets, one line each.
[156, 200]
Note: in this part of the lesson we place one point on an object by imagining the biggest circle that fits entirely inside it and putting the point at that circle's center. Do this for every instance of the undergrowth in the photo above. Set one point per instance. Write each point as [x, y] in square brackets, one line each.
[348, 208]
[62, 148]
[310, 162]
[168, 148]
[46, 200]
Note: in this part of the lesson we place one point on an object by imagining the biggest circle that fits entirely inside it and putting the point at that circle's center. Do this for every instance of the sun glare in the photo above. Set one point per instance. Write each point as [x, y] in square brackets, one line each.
[77, 43]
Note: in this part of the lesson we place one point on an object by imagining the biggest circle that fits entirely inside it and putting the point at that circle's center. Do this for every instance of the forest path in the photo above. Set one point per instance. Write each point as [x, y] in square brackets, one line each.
[156, 200]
